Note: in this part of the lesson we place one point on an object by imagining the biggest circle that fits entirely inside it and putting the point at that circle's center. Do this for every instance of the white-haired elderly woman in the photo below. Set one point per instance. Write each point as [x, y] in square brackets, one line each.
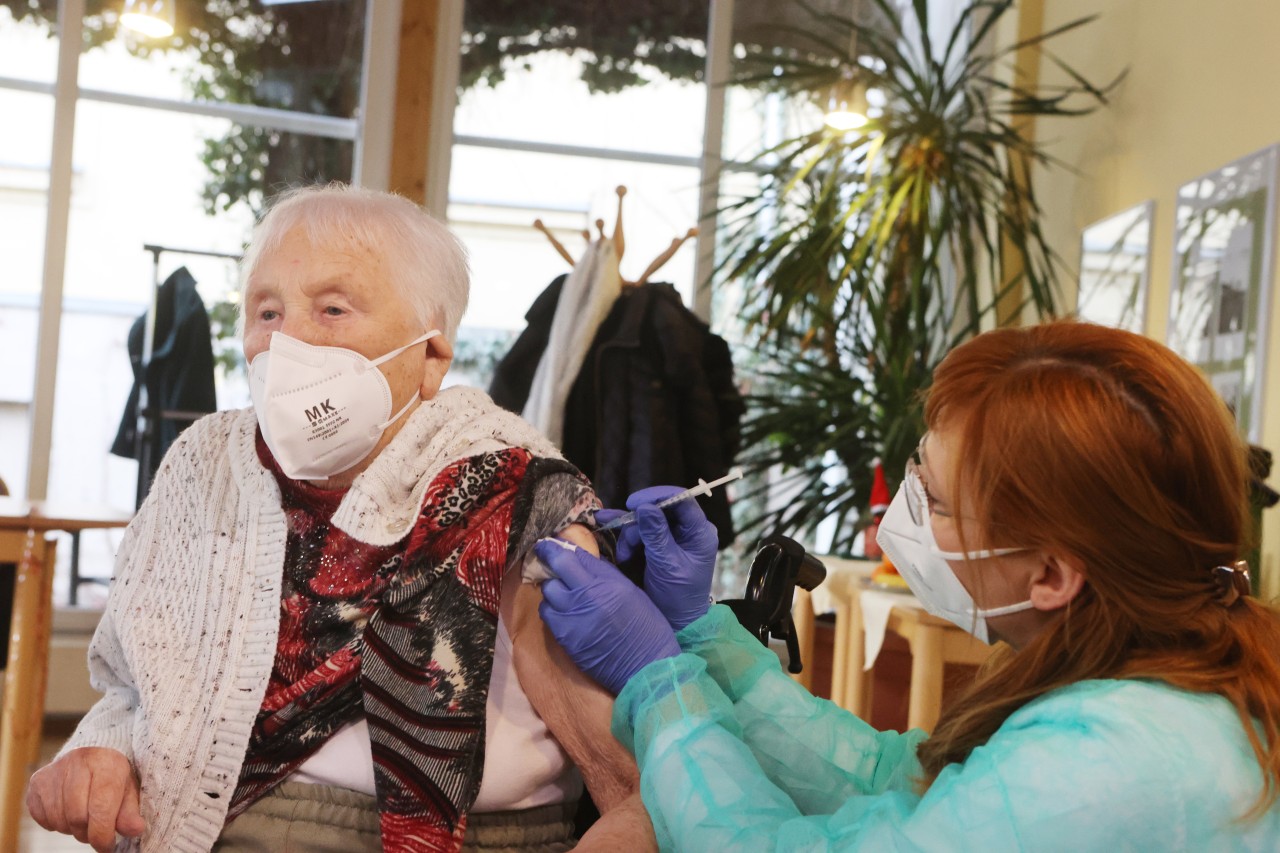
[317, 638]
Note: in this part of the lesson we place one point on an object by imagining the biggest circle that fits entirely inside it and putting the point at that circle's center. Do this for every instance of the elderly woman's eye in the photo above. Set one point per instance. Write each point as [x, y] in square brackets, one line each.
[334, 311]
[268, 315]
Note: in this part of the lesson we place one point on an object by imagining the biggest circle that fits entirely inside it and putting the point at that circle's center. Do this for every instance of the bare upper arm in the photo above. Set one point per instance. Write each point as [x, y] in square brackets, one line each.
[579, 535]
[576, 709]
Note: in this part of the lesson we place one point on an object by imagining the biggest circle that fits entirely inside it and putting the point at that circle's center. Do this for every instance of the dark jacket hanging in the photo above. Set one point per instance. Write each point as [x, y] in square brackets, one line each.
[513, 377]
[654, 403]
[179, 376]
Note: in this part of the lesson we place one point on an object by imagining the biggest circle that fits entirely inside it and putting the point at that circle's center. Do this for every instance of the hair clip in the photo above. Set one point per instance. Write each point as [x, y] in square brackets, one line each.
[1232, 581]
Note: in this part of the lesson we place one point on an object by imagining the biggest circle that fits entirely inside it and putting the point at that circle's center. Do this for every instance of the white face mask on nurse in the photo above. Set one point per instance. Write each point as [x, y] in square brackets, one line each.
[947, 582]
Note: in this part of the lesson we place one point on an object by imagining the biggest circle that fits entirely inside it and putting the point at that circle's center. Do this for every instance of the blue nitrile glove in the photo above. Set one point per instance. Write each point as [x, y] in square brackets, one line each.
[678, 546]
[608, 626]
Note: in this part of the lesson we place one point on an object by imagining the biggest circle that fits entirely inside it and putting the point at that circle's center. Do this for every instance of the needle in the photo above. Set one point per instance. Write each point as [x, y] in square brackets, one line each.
[703, 488]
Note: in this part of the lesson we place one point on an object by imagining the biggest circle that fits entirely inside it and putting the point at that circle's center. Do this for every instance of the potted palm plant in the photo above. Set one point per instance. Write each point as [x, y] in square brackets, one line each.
[886, 246]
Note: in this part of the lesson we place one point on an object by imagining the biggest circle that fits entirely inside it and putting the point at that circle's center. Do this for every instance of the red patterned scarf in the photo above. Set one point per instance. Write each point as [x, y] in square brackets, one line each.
[402, 635]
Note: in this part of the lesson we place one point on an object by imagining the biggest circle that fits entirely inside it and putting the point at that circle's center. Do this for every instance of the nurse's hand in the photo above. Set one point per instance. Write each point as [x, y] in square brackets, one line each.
[90, 793]
[608, 626]
[677, 546]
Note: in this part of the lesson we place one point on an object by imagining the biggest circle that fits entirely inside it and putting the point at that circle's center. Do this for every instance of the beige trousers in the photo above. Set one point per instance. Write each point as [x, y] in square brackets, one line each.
[294, 817]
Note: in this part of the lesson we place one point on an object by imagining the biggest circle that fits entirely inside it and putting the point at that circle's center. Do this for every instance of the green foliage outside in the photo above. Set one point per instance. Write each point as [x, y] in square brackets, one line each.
[285, 57]
[306, 57]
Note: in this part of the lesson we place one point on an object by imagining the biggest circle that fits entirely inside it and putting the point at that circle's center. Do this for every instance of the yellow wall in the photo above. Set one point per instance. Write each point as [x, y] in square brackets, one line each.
[1203, 88]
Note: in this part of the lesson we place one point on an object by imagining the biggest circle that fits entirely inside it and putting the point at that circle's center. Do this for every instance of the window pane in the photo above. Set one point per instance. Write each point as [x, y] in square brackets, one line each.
[496, 195]
[595, 75]
[24, 184]
[28, 49]
[144, 187]
[758, 115]
[294, 56]
[124, 195]
[17, 353]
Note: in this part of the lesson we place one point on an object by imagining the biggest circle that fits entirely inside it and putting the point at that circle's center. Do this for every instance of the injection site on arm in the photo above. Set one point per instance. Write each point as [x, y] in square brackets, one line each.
[534, 571]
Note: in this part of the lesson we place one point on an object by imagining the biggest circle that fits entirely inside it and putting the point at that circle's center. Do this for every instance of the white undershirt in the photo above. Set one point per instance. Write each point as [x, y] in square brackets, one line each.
[524, 766]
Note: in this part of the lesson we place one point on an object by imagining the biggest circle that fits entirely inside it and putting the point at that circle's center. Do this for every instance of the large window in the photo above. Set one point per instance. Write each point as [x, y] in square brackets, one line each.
[179, 144]
[560, 107]
[24, 179]
[176, 143]
[556, 112]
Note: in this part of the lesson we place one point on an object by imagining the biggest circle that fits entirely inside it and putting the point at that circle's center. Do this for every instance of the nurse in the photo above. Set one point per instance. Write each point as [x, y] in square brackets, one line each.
[1080, 495]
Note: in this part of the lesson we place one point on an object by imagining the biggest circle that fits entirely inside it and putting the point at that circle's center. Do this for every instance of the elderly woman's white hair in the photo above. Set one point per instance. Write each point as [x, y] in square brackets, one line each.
[428, 263]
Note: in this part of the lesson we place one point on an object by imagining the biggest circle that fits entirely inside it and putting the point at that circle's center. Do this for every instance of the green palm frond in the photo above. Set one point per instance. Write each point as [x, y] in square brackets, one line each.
[864, 256]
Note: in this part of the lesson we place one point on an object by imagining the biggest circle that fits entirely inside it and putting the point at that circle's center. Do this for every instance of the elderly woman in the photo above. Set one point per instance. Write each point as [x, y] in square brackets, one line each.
[1080, 495]
[317, 629]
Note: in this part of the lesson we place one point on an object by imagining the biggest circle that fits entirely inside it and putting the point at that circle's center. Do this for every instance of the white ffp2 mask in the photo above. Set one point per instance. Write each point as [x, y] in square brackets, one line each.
[914, 553]
[321, 409]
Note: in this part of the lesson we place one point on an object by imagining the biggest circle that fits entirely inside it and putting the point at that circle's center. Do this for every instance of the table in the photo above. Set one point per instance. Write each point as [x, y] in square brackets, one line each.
[24, 529]
[934, 642]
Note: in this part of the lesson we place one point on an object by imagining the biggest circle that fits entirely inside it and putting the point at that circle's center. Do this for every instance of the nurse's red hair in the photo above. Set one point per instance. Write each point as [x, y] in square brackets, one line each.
[1108, 446]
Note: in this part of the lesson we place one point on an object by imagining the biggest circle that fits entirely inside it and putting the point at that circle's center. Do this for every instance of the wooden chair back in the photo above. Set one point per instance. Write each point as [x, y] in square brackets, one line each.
[26, 674]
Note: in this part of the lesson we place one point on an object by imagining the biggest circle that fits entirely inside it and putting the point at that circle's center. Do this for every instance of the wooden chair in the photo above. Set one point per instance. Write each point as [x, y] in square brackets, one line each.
[933, 642]
[26, 675]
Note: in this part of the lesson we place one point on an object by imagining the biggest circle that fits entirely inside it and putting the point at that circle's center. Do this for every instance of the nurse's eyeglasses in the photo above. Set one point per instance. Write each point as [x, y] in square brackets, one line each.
[919, 503]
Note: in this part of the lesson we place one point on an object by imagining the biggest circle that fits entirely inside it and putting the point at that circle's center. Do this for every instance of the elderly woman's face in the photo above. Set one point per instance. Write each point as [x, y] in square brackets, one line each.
[328, 297]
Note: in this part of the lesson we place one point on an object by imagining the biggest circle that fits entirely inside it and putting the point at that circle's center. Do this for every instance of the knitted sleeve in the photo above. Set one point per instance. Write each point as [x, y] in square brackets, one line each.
[130, 622]
[110, 722]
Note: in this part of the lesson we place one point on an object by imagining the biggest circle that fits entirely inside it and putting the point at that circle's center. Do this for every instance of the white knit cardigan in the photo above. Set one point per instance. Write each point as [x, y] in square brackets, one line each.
[185, 648]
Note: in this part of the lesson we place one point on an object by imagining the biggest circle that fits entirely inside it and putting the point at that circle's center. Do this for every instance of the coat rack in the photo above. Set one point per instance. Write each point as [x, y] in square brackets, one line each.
[619, 243]
[147, 419]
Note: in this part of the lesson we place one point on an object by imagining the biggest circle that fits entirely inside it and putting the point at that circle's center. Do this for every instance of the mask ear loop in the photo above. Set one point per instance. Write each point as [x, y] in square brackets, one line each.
[397, 416]
[434, 333]
[395, 352]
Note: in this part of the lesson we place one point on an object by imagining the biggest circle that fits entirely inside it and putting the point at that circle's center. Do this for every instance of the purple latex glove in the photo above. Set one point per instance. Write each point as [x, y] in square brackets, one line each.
[678, 546]
[608, 626]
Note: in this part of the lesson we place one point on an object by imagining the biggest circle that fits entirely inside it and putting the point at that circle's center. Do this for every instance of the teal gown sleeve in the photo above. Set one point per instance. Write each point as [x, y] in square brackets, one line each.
[735, 748]
[815, 751]
[734, 755]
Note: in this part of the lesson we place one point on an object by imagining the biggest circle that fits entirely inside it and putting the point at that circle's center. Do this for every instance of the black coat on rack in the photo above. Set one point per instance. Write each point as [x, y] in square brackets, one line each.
[179, 375]
[513, 377]
[654, 403]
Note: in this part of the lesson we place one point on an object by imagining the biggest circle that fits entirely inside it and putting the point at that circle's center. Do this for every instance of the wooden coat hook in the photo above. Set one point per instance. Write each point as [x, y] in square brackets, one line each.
[658, 262]
[559, 247]
[619, 242]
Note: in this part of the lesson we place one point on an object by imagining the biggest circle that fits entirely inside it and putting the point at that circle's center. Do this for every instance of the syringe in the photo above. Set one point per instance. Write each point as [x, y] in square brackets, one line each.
[703, 488]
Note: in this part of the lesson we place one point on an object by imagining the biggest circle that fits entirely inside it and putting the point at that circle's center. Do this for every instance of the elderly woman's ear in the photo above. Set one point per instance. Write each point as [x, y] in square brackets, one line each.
[439, 355]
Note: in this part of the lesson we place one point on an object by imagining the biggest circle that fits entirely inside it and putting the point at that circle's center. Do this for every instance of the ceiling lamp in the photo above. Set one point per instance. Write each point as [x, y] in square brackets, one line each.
[151, 18]
[847, 109]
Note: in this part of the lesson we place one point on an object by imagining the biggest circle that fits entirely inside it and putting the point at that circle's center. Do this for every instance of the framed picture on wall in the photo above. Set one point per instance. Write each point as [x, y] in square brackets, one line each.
[1115, 265]
[1222, 268]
